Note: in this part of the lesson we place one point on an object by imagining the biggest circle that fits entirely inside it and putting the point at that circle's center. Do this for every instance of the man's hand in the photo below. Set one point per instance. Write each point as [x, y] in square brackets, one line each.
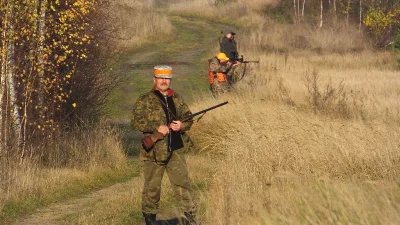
[237, 63]
[163, 129]
[176, 125]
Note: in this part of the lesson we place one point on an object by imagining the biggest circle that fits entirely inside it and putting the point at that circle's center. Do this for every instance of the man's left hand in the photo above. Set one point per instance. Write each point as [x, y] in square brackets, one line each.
[176, 125]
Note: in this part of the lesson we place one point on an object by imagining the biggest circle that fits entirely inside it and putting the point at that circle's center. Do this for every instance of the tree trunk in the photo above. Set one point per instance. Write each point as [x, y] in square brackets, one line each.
[40, 7]
[321, 16]
[295, 11]
[348, 12]
[298, 8]
[10, 68]
[330, 7]
[334, 7]
[41, 25]
[3, 86]
[302, 10]
[10, 120]
[359, 26]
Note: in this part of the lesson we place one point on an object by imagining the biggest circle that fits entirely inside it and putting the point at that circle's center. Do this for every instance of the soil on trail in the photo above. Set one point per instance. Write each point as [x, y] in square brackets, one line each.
[195, 41]
[52, 214]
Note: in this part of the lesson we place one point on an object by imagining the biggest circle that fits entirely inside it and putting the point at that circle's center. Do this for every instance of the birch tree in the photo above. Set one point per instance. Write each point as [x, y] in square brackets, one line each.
[50, 64]
[321, 15]
[295, 11]
[360, 13]
[9, 111]
[3, 77]
[348, 12]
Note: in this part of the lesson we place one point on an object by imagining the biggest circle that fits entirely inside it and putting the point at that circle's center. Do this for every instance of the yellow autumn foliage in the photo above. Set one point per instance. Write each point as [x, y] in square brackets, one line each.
[378, 21]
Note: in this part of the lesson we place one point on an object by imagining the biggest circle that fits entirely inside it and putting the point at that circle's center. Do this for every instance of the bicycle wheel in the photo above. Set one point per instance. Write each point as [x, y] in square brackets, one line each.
[238, 72]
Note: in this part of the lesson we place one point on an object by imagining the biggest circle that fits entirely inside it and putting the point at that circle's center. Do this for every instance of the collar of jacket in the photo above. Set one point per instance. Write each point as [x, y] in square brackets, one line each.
[170, 92]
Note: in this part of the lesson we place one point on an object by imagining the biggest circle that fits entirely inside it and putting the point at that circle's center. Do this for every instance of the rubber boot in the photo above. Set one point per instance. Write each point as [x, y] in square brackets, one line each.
[150, 219]
[191, 219]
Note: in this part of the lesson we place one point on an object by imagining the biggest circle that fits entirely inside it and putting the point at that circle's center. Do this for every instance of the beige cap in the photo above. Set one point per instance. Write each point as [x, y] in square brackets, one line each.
[163, 71]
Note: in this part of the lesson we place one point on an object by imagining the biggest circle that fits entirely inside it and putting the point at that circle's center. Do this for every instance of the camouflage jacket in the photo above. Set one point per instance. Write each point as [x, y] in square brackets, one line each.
[217, 67]
[148, 115]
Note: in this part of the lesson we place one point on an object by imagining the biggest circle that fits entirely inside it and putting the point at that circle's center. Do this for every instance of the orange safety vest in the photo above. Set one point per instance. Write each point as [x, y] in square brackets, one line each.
[211, 76]
[221, 77]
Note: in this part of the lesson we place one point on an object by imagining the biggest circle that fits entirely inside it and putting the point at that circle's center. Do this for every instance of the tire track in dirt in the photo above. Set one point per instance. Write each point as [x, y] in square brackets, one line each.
[51, 214]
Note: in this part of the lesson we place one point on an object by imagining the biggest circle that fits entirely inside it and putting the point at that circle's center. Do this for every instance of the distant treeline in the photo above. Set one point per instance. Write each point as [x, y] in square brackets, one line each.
[380, 18]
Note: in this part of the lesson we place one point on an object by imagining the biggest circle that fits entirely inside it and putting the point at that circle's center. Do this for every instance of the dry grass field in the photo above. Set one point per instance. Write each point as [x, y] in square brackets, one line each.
[134, 23]
[310, 135]
[80, 160]
[277, 164]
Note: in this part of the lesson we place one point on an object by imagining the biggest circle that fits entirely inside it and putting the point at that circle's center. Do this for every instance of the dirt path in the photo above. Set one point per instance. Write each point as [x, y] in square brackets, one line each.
[52, 214]
[187, 55]
[195, 41]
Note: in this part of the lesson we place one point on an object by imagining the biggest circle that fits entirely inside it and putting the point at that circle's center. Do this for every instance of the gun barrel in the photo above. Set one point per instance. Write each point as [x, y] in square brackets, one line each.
[251, 62]
[203, 111]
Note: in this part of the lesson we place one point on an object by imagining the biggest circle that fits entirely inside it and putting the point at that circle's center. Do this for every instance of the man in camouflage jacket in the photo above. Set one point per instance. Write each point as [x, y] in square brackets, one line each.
[157, 113]
[220, 63]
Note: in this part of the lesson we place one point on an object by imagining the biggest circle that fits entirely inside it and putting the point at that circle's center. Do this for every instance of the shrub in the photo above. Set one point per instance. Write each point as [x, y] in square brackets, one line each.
[328, 100]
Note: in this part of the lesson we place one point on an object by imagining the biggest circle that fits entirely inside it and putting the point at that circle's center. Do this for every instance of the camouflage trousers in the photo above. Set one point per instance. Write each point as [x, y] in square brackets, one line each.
[179, 179]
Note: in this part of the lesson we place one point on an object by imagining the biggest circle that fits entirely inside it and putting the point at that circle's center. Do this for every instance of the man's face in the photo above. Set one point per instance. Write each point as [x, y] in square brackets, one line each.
[223, 61]
[162, 84]
[229, 35]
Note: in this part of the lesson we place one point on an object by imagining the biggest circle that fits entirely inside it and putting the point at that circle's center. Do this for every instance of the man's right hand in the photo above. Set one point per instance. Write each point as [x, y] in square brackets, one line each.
[163, 129]
[237, 63]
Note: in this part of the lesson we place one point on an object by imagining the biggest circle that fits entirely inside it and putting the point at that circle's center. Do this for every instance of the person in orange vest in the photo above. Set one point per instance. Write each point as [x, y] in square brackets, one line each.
[219, 67]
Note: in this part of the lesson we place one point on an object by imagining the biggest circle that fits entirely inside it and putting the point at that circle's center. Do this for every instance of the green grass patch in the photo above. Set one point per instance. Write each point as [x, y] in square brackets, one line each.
[13, 209]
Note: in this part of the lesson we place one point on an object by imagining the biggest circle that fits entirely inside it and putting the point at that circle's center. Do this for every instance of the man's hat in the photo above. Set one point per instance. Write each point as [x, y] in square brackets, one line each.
[222, 56]
[163, 71]
[229, 32]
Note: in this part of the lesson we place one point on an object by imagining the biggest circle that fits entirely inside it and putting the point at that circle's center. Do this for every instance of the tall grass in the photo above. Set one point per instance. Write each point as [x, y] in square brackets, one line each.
[368, 81]
[339, 37]
[235, 12]
[77, 157]
[310, 135]
[134, 23]
[281, 165]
